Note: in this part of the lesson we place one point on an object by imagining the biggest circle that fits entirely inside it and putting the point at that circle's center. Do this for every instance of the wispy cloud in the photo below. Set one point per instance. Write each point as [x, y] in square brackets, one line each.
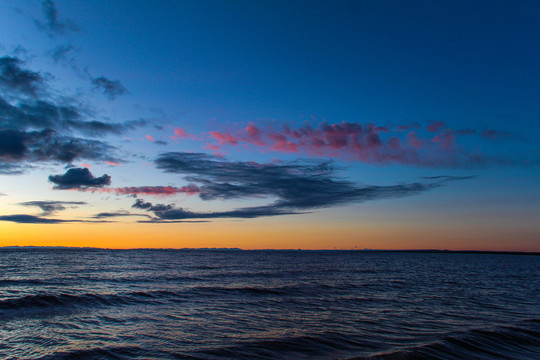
[153, 190]
[16, 79]
[295, 187]
[50, 207]
[51, 22]
[31, 219]
[111, 88]
[37, 125]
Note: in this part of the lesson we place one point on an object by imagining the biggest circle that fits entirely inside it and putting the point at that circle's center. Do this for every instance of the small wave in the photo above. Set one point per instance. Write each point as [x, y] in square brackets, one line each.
[27, 282]
[30, 304]
[516, 342]
[115, 352]
[304, 347]
[249, 290]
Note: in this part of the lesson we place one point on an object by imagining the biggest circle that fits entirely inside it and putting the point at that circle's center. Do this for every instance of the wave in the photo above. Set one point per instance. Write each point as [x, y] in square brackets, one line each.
[509, 343]
[30, 304]
[116, 352]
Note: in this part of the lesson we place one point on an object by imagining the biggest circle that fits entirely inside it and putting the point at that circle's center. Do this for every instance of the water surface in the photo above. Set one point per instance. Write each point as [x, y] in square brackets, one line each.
[202, 304]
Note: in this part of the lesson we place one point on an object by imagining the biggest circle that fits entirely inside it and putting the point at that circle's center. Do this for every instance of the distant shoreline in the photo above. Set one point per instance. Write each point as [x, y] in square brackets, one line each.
[431, 251]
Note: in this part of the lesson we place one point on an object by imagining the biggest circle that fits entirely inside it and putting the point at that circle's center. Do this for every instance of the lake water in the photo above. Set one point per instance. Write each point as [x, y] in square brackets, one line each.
[209, 304]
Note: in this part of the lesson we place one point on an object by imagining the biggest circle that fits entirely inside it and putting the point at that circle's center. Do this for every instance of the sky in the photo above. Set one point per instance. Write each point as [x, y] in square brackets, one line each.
[270, 124]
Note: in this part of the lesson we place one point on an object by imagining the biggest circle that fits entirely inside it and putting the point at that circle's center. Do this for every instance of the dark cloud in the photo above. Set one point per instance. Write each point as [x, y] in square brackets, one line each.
[30, 219]
[448, 177]
[12, 144]
[51, 23]
[79, 178]
[50, 207]
[112, 89]
[140, 204]
[46, 114]
[14, 78]
[36, 126]
[297, 187]
[160, 142]
[118, 214]
[48, 145]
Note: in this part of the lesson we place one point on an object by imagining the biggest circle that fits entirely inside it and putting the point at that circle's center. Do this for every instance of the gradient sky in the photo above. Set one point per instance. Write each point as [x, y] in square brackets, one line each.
[270, 124]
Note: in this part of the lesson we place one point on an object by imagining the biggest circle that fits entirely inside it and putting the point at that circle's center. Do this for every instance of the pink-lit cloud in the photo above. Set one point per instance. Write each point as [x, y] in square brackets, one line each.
[113, 163]
[435, 145]
[224, 138]
[254, 135]
[181, 133]
[150, 137]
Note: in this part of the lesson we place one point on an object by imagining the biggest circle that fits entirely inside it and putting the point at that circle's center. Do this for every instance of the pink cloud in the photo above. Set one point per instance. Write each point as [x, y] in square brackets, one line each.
[113, 163]
[352, 141]
[150, 137]
[181, 133]
[253, 135]
[86, 165]
[224, 138]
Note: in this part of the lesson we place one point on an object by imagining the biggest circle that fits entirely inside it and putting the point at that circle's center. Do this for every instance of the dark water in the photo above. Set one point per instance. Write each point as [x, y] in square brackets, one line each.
[157, 304]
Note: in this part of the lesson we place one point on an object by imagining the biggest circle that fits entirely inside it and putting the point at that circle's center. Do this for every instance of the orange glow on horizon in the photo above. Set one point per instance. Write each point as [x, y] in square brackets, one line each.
[255, 235]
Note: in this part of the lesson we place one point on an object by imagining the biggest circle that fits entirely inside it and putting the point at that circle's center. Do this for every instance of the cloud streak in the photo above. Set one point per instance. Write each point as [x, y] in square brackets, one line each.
[293, 188]
[50, 207]
[31, 219]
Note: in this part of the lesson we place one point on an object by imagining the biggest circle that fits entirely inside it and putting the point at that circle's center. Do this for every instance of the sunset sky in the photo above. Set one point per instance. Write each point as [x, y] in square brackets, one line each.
[270, 124]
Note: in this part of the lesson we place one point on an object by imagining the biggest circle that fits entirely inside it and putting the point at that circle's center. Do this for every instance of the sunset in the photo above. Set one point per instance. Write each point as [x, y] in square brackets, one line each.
[268, 136]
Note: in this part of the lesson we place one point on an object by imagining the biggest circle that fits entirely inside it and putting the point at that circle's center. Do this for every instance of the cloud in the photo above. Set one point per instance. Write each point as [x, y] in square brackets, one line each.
[51, 23]
[295, 187]
[181, 133]
[12, 144]
[118, 214]
[9, 168]
[140, 204]
[435, 126]
[79, 178]
[48, 145]
[60, 52]
[154, 190]
[434, 146]
[224, 138]
[30, 219]
[50, 207]
[112, 89]
[37, 126]
[16, 79]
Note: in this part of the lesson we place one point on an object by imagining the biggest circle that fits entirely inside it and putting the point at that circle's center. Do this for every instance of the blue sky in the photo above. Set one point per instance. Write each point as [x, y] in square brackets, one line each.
[418, 116]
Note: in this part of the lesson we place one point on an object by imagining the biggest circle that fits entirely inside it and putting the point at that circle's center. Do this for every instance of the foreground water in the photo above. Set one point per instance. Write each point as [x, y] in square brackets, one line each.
[196, 304]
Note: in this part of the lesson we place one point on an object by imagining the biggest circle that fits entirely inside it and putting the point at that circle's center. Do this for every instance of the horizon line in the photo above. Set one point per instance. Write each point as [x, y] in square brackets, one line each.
[512, 252]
